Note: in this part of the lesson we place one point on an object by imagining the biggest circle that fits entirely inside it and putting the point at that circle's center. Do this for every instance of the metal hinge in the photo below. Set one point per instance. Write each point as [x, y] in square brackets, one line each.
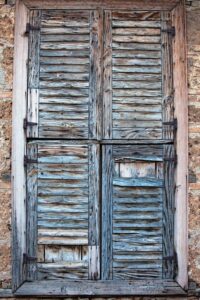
[30, 27]
[170, 258]
[173, 123]
[171, 31]
[171, 159]
[29, 259]
[27, 123]
[173, 259]
[29, 160]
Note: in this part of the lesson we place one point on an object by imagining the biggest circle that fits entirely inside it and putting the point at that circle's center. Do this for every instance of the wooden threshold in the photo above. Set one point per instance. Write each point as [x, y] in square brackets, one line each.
[62, 288]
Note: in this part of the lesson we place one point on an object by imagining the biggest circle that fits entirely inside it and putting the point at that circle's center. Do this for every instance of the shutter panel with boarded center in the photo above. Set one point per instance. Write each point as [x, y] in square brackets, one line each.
[83, 63]
[138, 204]
[63, 212]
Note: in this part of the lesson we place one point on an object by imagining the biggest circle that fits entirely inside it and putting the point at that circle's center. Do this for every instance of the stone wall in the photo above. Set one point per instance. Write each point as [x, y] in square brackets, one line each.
[6, 59]
[193, 33]
[6, 65]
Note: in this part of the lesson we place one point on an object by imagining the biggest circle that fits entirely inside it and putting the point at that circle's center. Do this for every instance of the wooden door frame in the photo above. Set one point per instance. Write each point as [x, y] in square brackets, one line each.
[91, 288]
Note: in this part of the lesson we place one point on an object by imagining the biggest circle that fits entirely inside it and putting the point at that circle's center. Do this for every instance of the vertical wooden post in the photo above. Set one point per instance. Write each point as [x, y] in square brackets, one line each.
[95, 111]
[18, 145]
[107, 76]
[31, 204]
[94, 212]
[33, 74]
[181, 113]
[167, 76]
[168, 212]
[107, 170]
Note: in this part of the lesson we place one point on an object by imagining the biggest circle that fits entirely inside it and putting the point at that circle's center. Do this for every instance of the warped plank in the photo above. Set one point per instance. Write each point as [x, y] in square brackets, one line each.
[136, 62]
[135, 53]
[137, 31]
[136, 15]
[135, 69]
[64, 76]
[137, 134]
[64, 38]
[66, 30]
[136, 24]
[64, 46]
[64, 53]
[143, 182]
[136, 46]
[136, 39]
[63, 60]
[139, 152]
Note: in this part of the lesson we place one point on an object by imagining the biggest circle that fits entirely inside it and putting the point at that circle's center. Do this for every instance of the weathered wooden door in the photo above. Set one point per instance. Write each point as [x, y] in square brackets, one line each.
[100, 152]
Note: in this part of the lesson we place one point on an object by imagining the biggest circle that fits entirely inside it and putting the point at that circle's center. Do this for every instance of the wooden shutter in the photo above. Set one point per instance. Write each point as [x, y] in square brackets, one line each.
[62, 210]
[64, 74]
[137, 76]
[138, 204]
[101, 129]
[138, 162]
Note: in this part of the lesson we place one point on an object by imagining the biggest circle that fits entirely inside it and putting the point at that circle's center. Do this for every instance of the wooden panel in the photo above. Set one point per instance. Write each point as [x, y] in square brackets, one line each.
[137, 213]
[69, 270]
[41, 253]
[94, 262]
[32, 112]
[107, 206]
[136, 75]
[34, 48]
[68, 262]
[18, 146]
[138, 152]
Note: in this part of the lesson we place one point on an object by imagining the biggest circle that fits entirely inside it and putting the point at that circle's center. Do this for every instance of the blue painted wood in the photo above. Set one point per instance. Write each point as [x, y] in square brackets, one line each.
[137, 182]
